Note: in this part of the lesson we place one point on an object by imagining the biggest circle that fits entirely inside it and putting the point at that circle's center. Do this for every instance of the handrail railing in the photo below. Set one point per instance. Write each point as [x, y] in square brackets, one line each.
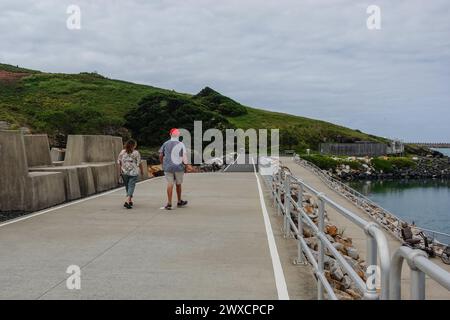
[369, 206]
[420, 266]
[280, 184]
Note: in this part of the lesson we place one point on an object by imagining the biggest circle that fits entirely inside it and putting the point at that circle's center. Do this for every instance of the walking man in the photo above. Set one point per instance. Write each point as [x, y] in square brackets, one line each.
[173, 157]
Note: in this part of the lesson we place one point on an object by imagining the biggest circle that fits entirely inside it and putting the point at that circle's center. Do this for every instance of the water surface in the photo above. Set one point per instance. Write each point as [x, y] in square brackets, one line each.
[426, 202]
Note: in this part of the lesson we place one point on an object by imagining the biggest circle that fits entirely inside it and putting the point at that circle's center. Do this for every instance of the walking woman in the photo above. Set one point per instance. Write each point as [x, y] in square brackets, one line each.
[129, 166]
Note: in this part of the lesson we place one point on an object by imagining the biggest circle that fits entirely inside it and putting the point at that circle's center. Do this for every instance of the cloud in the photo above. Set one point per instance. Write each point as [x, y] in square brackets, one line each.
[311, 58]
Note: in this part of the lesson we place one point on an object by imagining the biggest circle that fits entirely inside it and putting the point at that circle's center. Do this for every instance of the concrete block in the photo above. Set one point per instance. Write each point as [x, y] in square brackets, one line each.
[145, 167]
[71, 180]
[57, 154]
[86, 180]
[105, 176]
[74, 150]
[20, 190]
[13, 172]
[117, 146]
[47, 190]
[91, 149]
[37, 150]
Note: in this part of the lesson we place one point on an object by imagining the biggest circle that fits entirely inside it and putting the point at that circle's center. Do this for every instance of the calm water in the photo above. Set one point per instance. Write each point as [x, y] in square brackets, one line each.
[426, 202]
[444, 151]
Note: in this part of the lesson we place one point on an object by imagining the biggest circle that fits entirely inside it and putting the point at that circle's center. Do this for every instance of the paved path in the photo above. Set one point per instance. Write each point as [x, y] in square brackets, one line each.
[434, 290]
[216, 248]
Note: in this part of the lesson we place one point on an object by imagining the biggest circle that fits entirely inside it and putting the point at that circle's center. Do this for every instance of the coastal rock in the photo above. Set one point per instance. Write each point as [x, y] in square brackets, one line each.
[342, 295]
[346, 282]
[354, 294]
[352, 253]
[332, 230]
[336, 272]
[340, 247]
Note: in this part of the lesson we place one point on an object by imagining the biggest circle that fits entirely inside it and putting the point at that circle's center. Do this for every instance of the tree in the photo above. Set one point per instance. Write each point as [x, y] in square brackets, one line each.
[288, 138]
[156, 114]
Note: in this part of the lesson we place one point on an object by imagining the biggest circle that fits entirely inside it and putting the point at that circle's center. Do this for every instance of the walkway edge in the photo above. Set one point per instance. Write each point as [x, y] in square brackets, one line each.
[32, 215]
[280, 280]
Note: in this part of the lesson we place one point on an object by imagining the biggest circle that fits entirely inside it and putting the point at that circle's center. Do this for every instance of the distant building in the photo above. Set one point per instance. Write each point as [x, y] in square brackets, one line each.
[362, 148]
[395, 147]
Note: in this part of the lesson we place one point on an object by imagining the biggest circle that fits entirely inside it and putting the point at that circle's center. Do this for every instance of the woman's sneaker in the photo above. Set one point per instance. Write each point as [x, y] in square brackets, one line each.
[168, 207]
[182, 203]
[127, 205]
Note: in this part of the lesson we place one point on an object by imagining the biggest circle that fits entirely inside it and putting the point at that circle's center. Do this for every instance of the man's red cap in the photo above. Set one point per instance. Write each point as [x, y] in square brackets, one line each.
[174, 131]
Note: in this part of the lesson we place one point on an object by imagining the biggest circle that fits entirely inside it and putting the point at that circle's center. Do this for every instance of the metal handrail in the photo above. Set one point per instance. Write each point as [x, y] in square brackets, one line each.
[280, 184]
[395, 229]
[420, 266]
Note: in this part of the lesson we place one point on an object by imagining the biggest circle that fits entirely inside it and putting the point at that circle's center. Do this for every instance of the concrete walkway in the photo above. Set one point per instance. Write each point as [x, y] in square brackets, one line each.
[216, 248]
[433, 289]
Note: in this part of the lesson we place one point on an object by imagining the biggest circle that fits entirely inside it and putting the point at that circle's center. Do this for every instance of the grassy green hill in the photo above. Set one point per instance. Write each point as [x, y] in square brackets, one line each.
[89, 103]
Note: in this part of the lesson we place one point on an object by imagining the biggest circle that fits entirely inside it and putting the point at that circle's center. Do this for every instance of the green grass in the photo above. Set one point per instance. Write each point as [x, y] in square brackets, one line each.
[309, 132]
[36, 100]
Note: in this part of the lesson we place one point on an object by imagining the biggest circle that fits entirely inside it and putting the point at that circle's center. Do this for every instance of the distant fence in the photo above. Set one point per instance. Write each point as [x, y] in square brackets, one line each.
[371, 149]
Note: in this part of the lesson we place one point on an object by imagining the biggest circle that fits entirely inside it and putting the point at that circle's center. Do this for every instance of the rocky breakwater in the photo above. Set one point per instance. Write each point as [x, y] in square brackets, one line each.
[415, 168]
[343, 285]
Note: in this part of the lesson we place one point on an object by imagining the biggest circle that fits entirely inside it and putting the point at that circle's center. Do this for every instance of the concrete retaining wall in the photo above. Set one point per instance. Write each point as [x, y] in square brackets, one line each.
[117, 146]
[74, 150]
[13, 171]
[105, 176]
[19, 190]
[89, 166]
[86, 180]
[47, 190]
[145, 167]
[92, 149]
[71, 180]
[37, 150]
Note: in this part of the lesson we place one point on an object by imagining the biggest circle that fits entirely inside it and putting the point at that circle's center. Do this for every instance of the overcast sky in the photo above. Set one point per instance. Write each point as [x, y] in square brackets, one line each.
[313, 58]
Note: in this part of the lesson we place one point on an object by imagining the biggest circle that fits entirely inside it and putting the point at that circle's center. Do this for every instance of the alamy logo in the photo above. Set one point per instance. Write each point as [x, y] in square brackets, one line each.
[374, 20]
[73, 22]
[73, 282]
[373, 281]
[254, 142]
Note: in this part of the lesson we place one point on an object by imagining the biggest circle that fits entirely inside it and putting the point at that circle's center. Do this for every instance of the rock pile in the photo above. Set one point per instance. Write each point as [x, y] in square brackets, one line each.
[342, 284]
[426, 168]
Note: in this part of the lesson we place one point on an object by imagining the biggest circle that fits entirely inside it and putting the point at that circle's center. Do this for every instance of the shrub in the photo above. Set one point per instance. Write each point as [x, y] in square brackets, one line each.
[323, 162]
[402, 162]
[216, 102]
[382, 165]
[156, 114]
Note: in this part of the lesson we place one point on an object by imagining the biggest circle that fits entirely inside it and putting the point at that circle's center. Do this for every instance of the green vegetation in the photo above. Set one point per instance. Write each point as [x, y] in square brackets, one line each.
[219, 103]
[388, 165]
[10, 68]
[309, 132]
[382, 165]
[156, 114]
[323, 162]
[58, 104]
[330, 163]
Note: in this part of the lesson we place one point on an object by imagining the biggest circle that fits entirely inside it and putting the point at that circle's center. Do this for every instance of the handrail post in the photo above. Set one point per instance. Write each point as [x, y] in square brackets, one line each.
[279, 186]
[274, 188]
[417, 284]
[417, 275]
[321, 259]
[300, 257]
[287, 205]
